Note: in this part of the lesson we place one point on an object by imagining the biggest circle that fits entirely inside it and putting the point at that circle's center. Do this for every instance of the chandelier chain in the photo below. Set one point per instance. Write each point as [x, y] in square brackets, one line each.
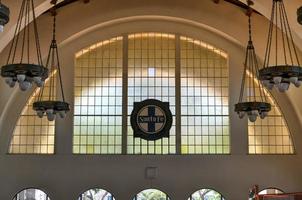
[290, 32]
[36, 35]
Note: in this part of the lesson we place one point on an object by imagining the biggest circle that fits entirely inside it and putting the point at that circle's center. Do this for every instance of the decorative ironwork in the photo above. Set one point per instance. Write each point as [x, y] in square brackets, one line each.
[23, 70]
[290, 72]
[4, 16]
[51, 107]
[252, 107]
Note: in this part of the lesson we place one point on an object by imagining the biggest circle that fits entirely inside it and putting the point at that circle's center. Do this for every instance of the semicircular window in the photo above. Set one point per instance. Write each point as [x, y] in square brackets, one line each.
[270, 135]
[151, 194]
[33, 135]
[96, 194]
[206, 194]
[31, 194]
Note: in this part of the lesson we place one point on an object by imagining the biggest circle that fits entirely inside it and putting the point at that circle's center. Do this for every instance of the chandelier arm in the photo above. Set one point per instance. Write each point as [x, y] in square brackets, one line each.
[60, 77]
[39, 55]
[52, 79]
[282, 33]
[17, 36]
[276, 28]
[287, 37]
[269, 40]
[262, 95]
[28, 40]
[15, 33]
[243, 78]
[290, 33]
[47, 63]
[253, 74]
[26, 24]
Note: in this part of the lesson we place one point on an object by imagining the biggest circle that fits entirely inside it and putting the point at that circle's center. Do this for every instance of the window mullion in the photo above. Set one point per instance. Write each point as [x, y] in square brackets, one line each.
[125, 95]
[177, 94]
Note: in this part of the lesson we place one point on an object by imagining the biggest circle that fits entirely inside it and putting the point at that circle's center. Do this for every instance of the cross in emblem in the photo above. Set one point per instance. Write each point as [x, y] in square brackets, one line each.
[151, 119]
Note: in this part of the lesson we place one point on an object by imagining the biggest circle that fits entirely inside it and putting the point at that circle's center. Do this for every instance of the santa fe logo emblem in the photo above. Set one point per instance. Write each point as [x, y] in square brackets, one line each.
[151, 119]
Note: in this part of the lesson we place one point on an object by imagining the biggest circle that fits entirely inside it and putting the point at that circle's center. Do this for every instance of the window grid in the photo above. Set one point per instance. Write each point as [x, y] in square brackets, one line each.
[151, 75]
[98, 99]
[270, 135]
[204, 99]
[33, 135]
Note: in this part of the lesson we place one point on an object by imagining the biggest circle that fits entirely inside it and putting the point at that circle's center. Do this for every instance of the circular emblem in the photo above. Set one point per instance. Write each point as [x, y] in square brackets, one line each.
[151, 119]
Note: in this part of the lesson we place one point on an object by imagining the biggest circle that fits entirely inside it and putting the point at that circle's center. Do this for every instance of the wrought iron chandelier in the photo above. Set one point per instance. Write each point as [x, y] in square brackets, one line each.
[52, 106]
[19, 67]
[290, 72]
[299, 13]
[254, 105]
[4, 16]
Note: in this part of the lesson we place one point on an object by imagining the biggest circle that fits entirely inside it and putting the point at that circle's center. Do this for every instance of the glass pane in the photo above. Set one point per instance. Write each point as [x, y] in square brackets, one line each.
[151, 75]
[98, 99]
[204, 99]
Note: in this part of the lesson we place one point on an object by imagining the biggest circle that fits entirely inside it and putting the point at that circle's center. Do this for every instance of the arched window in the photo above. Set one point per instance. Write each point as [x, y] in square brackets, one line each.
[189, 74]
[31, 194]
[270, 135]
[33, 135]
[96, 194]
[206, 194]
[151, 194]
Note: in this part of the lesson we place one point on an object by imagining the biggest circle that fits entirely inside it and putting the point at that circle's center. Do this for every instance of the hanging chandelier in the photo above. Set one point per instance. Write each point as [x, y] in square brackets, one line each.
[289, 72]
[299, 13]
[51, 106]
[254, 105]
[4, 16]
[19, 67]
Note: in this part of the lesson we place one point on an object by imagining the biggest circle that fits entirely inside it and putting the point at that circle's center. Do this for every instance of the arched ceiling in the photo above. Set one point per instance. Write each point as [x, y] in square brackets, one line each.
[262, 6]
